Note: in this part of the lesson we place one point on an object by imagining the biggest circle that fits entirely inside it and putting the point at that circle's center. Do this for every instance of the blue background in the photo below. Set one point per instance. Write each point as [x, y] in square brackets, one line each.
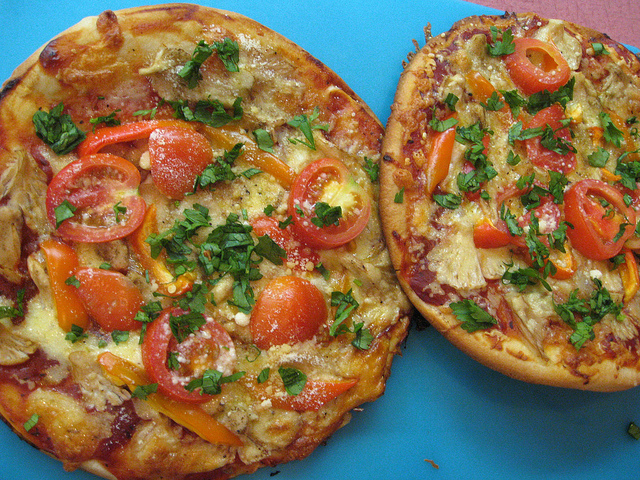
[439, 404]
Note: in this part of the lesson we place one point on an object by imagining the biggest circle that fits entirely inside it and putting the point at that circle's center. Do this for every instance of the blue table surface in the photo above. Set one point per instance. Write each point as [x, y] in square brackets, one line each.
[443, 416]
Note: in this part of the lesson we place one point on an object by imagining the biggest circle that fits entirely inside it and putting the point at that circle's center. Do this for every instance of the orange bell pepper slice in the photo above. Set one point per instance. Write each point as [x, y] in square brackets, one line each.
[191, 417]
[487, 235]
[102, 137]
[481, 88]
[629, 275]
[61, 262]
[226, 137]
[439, 158]
[157, 268]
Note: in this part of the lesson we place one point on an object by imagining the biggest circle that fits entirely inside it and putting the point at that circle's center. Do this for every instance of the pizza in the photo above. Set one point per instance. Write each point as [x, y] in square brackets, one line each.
[193, 276]
[509, 197]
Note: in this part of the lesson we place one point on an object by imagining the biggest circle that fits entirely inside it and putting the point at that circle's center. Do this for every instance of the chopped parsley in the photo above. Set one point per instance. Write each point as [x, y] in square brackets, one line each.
[494, 103]
[611, 133]
[634, 431]
[449, 200]
[109, 120]
[33, 420]
[210, 112]
[582, 314]
[504, 46]
[372, 169]
[184, 325]
[119, 336]
[399, 196]
[450, 101]
[227, 50]
[293, 379]
[307, 125]
[14, 312]
[326, 215]
[63, 212]
[598, 158]
[57, 130]
[264, 375]
[76, 334]
[442, 125]
[264, 140]
[483, 170]
[143, 391]
[599, 49]
[472, 316]
[346, 306]
[541, 100]
[211, 382]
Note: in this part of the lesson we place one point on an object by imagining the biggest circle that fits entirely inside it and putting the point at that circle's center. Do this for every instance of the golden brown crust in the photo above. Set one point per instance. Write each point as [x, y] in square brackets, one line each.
[542, 355]
[125, 62]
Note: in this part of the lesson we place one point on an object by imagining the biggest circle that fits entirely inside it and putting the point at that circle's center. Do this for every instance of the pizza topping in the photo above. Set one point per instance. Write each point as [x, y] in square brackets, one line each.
[177, 156]
[57, 130]
[228, 51]
[102, 190]
[109, 297]
[14, 349]
[289, 310]
[199, 342]
[62, 262]
[551, 150]
[601, 220]
[536, 66]
[191, 417]
[327, 181]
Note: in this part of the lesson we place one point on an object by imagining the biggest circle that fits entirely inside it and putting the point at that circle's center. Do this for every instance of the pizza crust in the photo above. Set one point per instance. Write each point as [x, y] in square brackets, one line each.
[444, 60]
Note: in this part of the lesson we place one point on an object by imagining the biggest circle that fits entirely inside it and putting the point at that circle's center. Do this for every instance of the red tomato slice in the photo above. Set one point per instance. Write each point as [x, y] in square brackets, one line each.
[595, 227]
[301, 256]
[289, 310]
[210, 347]
[96, 186]
[327, 180]
[542, 157]
[111, 298]
[177, 156]
[536, 66]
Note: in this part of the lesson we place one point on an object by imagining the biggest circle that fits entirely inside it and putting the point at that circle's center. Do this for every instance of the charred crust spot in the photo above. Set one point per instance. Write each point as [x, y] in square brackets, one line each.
[10, 85]
[387, 158]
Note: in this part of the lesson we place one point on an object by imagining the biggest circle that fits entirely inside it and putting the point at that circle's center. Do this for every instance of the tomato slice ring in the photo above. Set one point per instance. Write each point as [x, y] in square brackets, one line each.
[209, 348]
[596, 230]
[535, 66]
[310, 187]
[94, 185]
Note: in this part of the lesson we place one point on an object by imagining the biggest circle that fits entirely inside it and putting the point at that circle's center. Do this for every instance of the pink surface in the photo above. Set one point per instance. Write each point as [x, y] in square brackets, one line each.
[620, 19]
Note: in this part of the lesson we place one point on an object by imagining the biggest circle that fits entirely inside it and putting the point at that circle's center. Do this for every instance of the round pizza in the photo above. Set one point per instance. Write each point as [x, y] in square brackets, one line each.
[510, 201]
[193, 275]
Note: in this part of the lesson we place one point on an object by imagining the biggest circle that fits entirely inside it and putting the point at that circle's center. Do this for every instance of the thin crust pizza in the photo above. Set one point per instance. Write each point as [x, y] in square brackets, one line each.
[510, 199]
[193, 276]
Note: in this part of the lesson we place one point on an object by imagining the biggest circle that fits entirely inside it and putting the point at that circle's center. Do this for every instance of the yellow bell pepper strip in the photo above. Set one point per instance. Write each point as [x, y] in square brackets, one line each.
[102, 137]
[157, 268]
[61, 262]
[191, 417]
[629, 275]
[439, 158]
[226, 137]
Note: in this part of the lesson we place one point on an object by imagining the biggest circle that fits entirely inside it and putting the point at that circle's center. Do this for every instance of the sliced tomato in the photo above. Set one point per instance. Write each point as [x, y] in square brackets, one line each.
[535, 66]
[598, 232]
[62, 262]
[542, 157]
[327, 180]
[103, 189]
[289, 310]
[178, 156]
[109, 297]
[300, 256]
[210, 347]
[128, 132]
